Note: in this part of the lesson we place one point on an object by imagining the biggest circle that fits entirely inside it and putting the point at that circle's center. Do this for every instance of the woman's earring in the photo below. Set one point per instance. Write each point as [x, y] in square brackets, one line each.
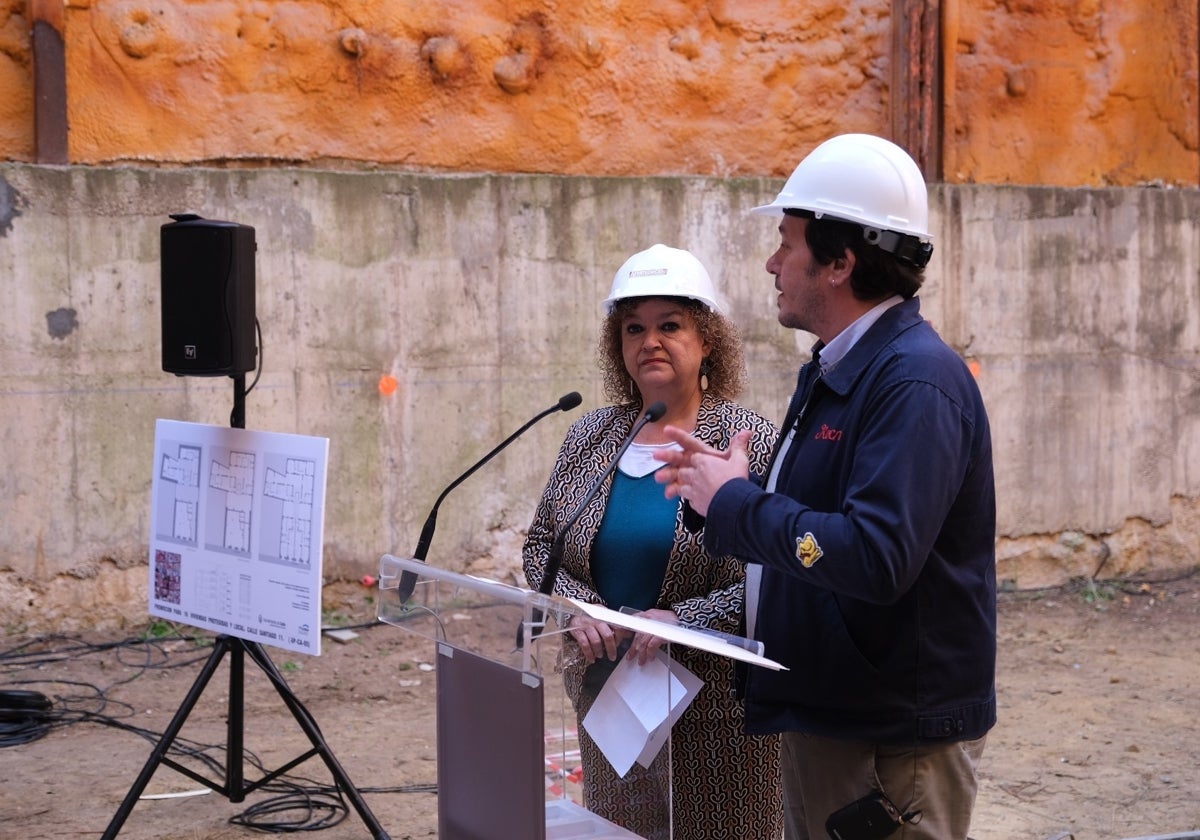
[632, 395]
[705, 367]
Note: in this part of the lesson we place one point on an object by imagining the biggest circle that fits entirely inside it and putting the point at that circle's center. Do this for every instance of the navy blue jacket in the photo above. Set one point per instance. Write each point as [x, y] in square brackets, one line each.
[878, 547]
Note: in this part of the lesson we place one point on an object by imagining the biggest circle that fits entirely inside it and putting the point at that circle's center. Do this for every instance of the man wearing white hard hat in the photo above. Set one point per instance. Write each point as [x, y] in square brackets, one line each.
[663, 340]
[870, 549]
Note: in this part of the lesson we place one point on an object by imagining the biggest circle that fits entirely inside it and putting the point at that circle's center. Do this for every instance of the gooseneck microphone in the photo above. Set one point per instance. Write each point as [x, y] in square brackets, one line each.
[408, 580]
[651, 415]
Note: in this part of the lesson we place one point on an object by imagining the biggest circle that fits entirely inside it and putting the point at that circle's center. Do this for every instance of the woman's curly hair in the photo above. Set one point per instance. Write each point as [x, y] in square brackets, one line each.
[726, 364]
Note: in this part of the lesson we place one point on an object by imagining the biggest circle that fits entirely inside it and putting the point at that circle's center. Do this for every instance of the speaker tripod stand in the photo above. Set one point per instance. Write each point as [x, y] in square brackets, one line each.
[235, 786]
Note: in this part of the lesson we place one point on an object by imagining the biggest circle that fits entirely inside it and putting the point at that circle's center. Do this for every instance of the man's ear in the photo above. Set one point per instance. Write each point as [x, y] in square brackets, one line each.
[842, 267]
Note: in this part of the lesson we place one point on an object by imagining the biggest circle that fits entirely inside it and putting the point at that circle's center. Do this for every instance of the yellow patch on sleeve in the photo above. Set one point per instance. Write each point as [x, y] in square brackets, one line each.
[807, 550]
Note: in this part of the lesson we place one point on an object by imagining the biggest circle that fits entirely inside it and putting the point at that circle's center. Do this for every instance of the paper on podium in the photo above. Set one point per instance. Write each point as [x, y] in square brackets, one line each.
[629, 720]
[675, 634]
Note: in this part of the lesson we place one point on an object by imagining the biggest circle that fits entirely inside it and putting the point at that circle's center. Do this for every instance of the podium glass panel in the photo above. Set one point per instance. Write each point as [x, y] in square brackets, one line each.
[510, 698]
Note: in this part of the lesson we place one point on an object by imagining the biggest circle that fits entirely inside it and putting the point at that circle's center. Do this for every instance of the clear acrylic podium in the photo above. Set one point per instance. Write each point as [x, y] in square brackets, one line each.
[508, 733]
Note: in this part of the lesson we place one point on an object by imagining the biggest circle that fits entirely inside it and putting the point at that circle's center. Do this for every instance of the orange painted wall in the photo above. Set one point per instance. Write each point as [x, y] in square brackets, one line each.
[1073, 92]
[1058, 92]
[16, 83]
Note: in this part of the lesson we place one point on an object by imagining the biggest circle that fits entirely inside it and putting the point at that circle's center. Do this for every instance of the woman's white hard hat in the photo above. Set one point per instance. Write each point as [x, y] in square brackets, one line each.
[662, 271]
[859, 178]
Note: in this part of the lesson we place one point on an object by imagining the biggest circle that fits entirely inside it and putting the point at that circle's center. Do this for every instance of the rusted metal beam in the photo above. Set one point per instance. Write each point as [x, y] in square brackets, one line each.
[916, 95]
[49, 81]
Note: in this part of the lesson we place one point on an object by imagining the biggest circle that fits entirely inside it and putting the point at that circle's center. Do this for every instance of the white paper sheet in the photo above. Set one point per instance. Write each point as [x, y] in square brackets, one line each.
[633, 714]
[675, 634]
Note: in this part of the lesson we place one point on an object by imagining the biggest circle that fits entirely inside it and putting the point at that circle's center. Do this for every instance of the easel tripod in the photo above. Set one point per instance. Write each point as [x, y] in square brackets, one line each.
[235, 786]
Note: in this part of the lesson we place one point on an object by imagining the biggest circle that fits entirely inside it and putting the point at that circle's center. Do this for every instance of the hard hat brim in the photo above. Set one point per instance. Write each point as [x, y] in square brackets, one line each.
[611, 302]
[772, 209]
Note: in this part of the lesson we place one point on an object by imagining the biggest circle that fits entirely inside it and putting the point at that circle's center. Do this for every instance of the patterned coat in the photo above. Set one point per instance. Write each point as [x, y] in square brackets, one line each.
[726, 784]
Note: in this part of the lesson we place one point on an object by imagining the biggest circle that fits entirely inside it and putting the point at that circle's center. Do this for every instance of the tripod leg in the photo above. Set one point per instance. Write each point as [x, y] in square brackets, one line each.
[220, 648]
[318, 741]
[235, 725]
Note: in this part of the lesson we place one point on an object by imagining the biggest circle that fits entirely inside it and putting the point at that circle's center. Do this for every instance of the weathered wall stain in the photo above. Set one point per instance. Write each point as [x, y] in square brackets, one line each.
[10, 201]
[61, 322]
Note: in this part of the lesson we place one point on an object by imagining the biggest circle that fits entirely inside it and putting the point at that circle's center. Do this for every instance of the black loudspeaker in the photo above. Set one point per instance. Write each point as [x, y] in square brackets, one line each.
[207, 297]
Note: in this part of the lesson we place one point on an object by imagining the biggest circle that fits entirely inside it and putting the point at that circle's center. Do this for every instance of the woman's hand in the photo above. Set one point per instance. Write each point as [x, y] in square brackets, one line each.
[644, 645]
[597, 639]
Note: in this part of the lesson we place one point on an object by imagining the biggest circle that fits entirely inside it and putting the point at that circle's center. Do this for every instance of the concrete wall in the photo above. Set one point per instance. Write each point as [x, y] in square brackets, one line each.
[1079, 308]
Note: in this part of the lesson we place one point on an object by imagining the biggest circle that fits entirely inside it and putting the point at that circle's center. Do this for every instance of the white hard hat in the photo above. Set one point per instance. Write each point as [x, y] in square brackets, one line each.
[859, 178]
[662, 271]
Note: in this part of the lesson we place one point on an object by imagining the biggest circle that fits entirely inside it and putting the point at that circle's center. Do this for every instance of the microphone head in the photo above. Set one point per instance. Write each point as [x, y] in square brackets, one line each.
[655, 412]
[568, 401]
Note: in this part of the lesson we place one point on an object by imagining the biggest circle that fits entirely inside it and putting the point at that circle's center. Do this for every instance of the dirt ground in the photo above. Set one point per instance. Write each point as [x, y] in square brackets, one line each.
[1097, 738]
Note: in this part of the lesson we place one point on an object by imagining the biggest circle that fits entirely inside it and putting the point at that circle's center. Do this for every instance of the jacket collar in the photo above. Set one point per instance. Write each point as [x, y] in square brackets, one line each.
[902, 317]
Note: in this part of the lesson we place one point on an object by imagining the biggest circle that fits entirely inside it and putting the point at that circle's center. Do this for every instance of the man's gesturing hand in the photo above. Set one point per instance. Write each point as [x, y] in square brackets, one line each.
[697, 473]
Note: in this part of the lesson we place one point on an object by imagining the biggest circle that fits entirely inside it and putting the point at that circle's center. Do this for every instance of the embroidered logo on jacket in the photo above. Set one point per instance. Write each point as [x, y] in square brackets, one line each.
[826, 433]
[807, 550]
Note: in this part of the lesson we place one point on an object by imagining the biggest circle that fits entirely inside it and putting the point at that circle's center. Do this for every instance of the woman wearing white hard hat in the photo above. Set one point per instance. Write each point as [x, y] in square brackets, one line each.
[664, 339]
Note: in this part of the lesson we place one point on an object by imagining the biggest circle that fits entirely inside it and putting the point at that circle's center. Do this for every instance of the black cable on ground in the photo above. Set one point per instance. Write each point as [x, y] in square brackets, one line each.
[23, 716]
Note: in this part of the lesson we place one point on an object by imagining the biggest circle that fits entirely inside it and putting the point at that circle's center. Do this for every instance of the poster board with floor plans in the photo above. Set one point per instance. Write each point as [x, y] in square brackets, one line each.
[236, 532]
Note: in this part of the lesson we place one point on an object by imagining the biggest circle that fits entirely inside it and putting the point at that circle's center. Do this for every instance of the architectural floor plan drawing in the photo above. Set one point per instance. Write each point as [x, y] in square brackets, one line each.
[179, 479]
[231, 501]
[237, 529]
[288, 494]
